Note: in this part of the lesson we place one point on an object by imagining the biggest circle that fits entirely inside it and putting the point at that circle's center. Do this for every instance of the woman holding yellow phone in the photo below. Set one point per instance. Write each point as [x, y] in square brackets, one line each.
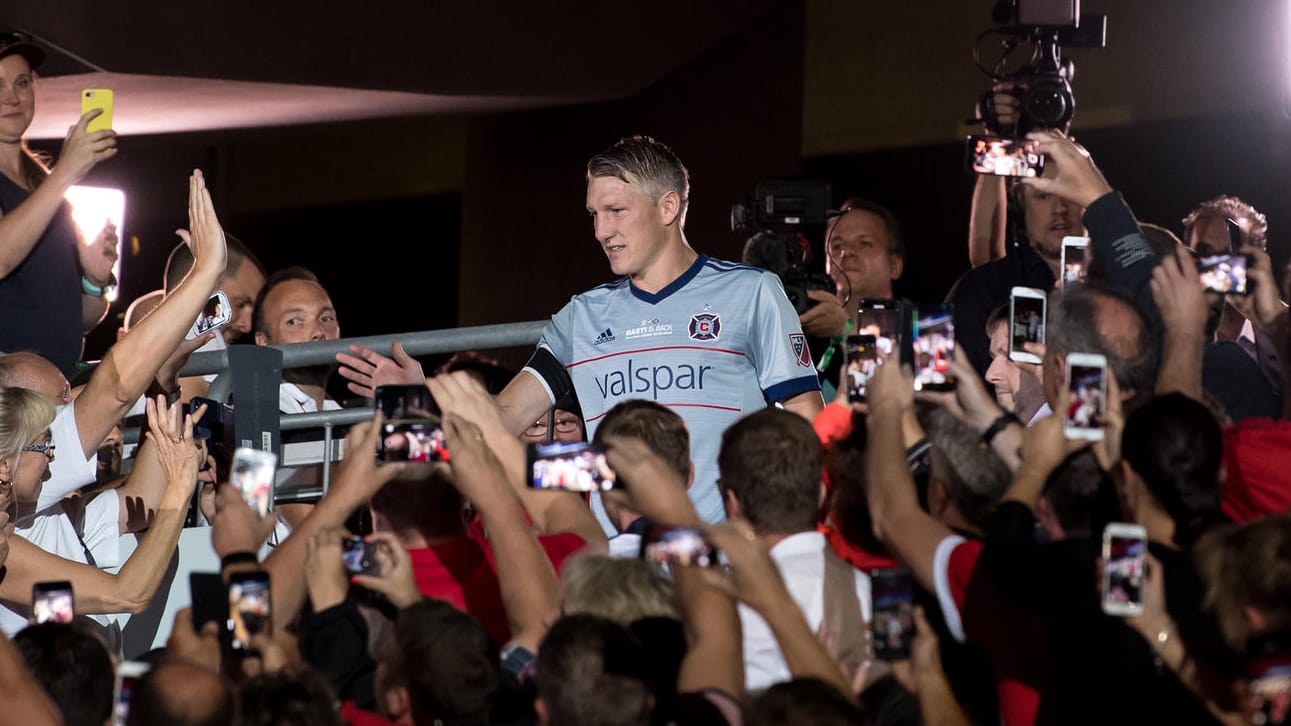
[51, 285]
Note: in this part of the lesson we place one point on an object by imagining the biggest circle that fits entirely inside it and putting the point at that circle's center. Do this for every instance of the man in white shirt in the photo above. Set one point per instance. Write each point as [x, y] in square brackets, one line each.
[770, 465]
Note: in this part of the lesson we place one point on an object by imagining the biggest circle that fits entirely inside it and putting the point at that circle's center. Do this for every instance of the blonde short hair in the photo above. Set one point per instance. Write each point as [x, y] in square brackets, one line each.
[24, 415]
[624, 591]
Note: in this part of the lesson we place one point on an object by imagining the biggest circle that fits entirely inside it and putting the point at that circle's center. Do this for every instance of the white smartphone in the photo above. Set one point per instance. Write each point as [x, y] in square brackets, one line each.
[252, 473]
[1075, 259]
[216, 314]
[128, 674]
[1086, 417]
[1125, 549]
[1027, 307]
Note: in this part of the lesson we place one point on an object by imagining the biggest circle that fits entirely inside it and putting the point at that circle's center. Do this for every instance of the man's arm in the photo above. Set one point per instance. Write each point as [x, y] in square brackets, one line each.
[1177, 290]
[987, 220]
[94, 308]
[523, 401]
[806, 404]
[133, 362]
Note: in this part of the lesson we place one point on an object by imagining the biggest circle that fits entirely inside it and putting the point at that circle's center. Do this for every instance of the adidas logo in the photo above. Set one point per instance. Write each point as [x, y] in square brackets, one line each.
[606, 336]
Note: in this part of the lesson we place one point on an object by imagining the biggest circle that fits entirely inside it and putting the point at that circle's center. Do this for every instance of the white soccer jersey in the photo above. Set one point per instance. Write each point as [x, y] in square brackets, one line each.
[720, 341]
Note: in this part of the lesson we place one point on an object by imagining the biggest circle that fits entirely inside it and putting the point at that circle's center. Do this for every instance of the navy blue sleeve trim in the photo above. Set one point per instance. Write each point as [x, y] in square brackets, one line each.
[544, 363]
[1110, 218]
[788, 389]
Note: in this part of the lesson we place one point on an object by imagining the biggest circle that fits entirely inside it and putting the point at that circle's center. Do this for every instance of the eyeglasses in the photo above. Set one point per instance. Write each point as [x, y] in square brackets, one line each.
[563, 425]
[46, 449]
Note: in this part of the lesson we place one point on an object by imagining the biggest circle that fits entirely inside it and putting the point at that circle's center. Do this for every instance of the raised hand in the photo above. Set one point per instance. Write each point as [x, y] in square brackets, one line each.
[366, 369]
[1179, 295]
[892, 385]
[83, 150]
[396, 580]
[325, 570]
[171, 432]
[1262, 306]
[650, 486]
[1074, 176]
[98, 257]
[235, 527]
[205, 236]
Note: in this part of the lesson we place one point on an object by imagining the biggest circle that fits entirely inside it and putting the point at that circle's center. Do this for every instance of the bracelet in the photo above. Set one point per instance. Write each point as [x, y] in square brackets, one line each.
[1163, 637]
[90, 288]
[238, 558]
[998, 425]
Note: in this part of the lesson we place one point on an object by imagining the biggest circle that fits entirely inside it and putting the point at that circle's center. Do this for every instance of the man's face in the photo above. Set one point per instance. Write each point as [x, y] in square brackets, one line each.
[1003, 373]
[860, 258]
[1209, 235]
[17, 98]
[629, 226]
[242, 287]
[298, 311]
[1049, 218]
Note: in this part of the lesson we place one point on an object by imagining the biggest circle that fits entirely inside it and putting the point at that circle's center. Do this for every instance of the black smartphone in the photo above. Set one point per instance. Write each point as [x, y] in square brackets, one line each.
[933, 334]
[893, 624]
[677, 547]
[52, 601]
[994, 156]
[1235, 236]
[412, 430]
[359, 557]
[575, 466]
[207, 593]
[250, 611]
[1224, 273]
[880, 318]
[216, 424]
[862, 359]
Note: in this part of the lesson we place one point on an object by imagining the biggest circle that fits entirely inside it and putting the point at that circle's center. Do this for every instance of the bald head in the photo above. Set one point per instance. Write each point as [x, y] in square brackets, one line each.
[1085, 318]
[180, 693]
[34, 373]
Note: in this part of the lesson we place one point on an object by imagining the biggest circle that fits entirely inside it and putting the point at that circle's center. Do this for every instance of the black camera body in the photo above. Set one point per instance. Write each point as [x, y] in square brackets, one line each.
[786, 214]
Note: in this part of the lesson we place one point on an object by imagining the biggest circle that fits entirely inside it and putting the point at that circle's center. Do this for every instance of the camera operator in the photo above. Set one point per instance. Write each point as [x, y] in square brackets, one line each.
[988, 224]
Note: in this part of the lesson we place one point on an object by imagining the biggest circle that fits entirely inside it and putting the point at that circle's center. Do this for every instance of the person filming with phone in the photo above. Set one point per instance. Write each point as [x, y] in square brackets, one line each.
[51, 282]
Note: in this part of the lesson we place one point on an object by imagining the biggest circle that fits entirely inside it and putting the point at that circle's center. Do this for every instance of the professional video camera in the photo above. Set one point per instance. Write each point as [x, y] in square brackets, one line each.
[789, 218]
[1043, 84]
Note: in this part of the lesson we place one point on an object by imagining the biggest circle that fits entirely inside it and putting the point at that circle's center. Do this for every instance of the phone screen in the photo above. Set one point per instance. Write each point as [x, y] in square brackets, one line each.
[934, 343]
[128, 674]
[881, 319]
[677, 547]
[569, 466]
[1268, 688]
[893, 625]
[52, 602]
[1028, 325]
[1088, 410]
[250, 611]
[862, 360]
[358, 556]
[252, 473]
[412, 430]
[216, 313]
[1224, 273]
[1003, 157]
[1075, 259]
[1123, 573]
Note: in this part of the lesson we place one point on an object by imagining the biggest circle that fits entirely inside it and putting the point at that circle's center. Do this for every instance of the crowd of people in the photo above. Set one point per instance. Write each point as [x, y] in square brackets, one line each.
[940, 556]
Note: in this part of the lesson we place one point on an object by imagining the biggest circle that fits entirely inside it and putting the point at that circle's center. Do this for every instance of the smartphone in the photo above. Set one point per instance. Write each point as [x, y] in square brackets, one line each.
[881, 319]
[1003, 157]
[206, 594]
[933, 339]
[250, 609]
[52, 602]
[252, 473]
[412, 430]
[1026, 322]
[677, 547]
[1075, 259]
[1125, 548]
[892, 629]
[1235, 236]
[92, 98]
[1087, 381]
[216, 313]
[569, 466]
[359, 557]
[862, 359]
[128, 674]
[1268, 686]
[1225, 274]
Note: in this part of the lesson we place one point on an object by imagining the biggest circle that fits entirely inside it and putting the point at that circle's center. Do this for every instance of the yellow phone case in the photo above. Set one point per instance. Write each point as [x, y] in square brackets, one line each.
[92, 98]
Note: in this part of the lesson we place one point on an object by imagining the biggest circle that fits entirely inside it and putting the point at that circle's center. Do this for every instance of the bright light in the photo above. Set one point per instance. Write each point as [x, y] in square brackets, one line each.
[92, 209]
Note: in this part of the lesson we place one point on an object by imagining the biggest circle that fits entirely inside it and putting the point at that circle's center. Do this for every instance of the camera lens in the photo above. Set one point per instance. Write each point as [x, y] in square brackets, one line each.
[1049, 104]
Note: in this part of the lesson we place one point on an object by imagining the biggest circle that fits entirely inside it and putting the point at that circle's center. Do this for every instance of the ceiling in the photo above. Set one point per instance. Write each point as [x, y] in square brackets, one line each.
[178, 67]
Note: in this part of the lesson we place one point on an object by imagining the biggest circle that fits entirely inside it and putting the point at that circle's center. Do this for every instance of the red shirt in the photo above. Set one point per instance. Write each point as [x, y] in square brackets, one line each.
[462, 572]
[355, 716]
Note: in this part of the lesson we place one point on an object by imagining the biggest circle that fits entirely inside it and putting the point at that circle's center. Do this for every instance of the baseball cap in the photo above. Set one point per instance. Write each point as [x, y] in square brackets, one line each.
[20, 44]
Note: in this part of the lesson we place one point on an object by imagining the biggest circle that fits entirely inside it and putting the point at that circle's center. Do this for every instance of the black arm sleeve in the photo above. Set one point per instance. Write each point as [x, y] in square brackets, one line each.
[1124, 253]
[1039, 577]
[335, 642]
[551, 371]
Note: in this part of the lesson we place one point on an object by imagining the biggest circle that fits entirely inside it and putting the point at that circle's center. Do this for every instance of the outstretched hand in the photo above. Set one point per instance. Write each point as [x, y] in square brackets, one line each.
[99, 256]
[1179, 295]
[205, 235]
[366, 369]
[1074, 176]
[171, 432]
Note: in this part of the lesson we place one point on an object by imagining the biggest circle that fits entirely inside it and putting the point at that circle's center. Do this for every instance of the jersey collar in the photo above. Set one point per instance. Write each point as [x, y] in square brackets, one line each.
[670, 288]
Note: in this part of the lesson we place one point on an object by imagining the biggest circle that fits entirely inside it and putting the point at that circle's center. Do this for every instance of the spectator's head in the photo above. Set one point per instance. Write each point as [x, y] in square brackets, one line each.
[34, 373]
[1047, 218]
[438, 667]
[491, 374]
[661, 430]
[25, 417]
[966, 478]
[139, 310]
[242, 279]
[179, 693]
[1172, 449]
[1078, 499]
[637, 193]
[1017, 389]
[622, 590]
[420, 503]
[865, 253]
[801, 702]
[1085, 318]
[770, 472]
[1205, 233]
[293, 307]
[568, 428]
[590, 672]
[288, 698]
[1247, 570]
[74, 669]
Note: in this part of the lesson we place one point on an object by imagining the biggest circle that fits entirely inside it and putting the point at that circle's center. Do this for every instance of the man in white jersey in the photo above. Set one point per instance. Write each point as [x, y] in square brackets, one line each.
[711, 340]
